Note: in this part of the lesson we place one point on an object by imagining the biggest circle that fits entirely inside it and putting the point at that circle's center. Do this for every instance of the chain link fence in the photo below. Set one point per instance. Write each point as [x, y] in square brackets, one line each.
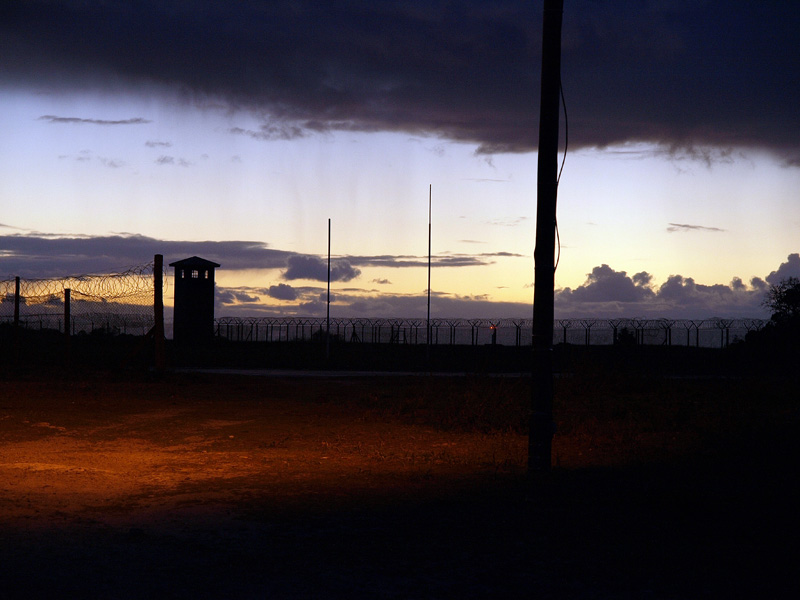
[706, 333]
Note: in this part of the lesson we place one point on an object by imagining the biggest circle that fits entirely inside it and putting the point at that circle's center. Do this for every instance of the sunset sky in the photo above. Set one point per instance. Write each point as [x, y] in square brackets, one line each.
[234, 131]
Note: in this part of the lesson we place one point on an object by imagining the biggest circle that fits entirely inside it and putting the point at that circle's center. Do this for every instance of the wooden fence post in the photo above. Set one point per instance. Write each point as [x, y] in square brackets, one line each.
[67, 312]
[15, 336]
[67, 325]
[158, 308]
[16, 302]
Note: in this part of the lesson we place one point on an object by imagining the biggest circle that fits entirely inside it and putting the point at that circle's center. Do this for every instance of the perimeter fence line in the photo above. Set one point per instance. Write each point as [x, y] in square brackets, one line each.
[115, 303]
[706, 333]
[123, 303]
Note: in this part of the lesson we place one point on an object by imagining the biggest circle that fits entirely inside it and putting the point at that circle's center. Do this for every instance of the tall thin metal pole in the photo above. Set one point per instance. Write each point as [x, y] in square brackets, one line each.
[428, 321]
[328, 315]
[541, 420]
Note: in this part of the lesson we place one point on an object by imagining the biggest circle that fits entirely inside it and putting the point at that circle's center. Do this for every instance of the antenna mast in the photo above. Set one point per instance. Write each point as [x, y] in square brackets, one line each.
[328, 314]
[428, 336]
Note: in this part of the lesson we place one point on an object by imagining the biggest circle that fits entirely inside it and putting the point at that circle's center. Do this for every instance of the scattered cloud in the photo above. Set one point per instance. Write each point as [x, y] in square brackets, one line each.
[269, 132]
[226, 296]
[112, 163]
[676, 227]
[486, 180]
[87, 156]
[408, 261]
[79, 121]
[171, 160]
[604, 284]
[790, 268]
[642, 279]
[316, 269]
[282, 291]
[382, 281]
[508, 222]
[157, 144]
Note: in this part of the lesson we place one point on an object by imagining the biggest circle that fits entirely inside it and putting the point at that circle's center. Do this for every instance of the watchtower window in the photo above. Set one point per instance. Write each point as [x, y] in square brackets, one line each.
[205, 274]
[195, 274]
[183, 273]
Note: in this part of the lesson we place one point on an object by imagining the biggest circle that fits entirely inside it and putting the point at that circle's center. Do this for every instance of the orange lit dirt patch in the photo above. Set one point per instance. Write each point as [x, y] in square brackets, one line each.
[96, 450]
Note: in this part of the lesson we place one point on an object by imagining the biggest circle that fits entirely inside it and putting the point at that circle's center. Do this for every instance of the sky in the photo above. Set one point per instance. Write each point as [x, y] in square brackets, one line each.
[235, 131]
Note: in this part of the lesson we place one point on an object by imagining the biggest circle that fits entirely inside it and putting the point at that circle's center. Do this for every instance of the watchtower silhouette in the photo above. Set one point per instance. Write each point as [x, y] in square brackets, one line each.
[194, 300]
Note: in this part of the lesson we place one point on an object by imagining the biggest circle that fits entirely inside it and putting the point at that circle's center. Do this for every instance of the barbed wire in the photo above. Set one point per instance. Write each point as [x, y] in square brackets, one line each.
[115, 302]
[130, 283]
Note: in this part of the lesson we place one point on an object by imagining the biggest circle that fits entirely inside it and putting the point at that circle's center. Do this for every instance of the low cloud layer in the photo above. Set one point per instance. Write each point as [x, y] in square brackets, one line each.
[606, 293]
[37, 255]
[47, 255]
[614, 294]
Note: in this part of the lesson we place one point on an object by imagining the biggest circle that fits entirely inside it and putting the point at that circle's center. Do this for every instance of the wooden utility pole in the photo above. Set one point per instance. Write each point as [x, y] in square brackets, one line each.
[540, 438]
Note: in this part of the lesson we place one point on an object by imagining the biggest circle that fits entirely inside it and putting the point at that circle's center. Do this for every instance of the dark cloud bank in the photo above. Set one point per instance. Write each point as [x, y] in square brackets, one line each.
[681, 74]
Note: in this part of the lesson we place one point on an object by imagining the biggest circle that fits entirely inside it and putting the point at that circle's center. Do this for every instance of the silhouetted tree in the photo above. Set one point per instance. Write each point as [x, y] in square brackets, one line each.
[778, 344]
[783, 299]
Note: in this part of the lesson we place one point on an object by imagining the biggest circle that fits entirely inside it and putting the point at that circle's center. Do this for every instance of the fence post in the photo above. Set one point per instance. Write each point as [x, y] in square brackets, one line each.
[67, 311]
[158, 310]
[16, 336]
[16, 302]
[67, 321]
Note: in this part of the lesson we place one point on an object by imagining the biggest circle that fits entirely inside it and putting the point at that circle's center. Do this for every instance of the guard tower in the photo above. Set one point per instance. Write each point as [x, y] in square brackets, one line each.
[194, 300]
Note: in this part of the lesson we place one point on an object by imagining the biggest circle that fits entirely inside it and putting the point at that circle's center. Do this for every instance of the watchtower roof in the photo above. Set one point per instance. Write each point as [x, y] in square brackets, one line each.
[195, 262]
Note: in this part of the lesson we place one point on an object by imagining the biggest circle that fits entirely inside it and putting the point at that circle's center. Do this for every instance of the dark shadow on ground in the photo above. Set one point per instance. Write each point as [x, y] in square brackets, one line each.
[707, 527]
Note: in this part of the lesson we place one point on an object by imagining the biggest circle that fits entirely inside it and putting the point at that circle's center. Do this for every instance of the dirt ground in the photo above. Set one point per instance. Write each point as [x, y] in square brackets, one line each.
[211, 486]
